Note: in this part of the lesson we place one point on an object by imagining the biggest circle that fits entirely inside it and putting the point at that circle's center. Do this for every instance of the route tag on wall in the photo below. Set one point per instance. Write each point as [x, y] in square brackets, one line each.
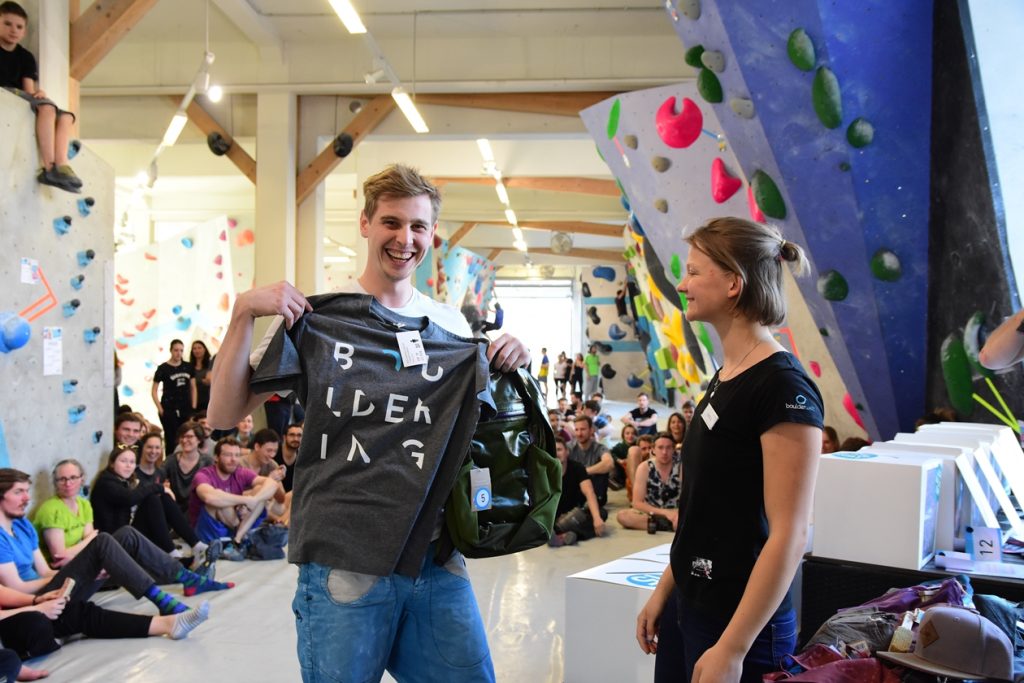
[480, 487]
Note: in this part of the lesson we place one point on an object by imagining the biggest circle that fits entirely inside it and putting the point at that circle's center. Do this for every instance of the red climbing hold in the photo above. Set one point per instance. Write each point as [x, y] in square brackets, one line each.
[815, 368]
[218, 259]
[682, 129]
[120, 290]
[723, 185]
[149, 314]
[121, 280]
[755, 210]
[852, 410]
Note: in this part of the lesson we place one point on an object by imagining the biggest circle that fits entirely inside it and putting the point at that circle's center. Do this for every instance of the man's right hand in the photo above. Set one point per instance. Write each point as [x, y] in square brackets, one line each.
[280, 298]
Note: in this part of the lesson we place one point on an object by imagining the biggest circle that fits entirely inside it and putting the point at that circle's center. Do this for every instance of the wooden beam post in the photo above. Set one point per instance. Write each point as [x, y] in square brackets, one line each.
[591, 186]
[368, 118]
[95, 32]
[460, 233]
[206, 123]
[493, 254]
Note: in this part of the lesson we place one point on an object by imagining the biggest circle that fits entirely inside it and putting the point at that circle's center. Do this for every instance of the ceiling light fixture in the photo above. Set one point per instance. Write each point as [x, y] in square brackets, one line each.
[412, 115]
[517, 233]
[348, 15]
[336, 259]
[485, 150]
[510, 216]
[502, 193]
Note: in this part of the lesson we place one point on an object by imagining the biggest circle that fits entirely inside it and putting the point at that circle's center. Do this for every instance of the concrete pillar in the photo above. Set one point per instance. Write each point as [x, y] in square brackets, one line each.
[54, 50]
[275, 188]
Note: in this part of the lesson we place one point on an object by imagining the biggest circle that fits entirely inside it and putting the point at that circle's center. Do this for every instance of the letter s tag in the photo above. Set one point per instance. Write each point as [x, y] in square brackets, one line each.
[480, 486]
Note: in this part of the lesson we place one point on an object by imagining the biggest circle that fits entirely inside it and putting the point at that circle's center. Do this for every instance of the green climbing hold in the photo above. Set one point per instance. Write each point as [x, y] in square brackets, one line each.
[860, 132]
[709, 87]
[630, 253]
[767, 195]
[828, 102]
[885, 265]
[705, 338]
[833, 286]
[956, 370]
[601, 156]
[844, 165]
[663, 358]
[675, 266]
[613, 119]
[692, 56]
[972, 343]
[801, 50]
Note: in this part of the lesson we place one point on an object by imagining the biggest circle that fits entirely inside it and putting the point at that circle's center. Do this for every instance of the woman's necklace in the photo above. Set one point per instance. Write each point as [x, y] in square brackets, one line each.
[718, 378]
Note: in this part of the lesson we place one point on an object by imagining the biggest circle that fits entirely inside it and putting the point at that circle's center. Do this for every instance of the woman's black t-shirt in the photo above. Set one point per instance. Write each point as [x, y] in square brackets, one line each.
[722, 526]
[176, 383]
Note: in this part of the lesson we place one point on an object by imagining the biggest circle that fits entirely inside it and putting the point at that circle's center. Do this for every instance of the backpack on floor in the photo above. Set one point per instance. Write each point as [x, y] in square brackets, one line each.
[267, 542]
[515, 445]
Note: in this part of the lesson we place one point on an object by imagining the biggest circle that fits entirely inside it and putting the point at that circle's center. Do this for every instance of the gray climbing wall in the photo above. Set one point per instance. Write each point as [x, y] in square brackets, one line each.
[53, 408]
[623, 365]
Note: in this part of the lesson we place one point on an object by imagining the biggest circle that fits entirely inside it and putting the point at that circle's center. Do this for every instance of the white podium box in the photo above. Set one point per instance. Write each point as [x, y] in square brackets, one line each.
[601, 605]
[877, 510]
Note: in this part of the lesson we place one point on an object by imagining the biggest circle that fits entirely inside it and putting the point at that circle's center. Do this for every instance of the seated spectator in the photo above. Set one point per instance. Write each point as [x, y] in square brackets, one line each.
[637, 454]
[206, 447]
[853, 443]
[617, 478]
[656, 489]
[150, 468]
[182, 465]
[286, 458]
[558, 425]
[829, 440]
[65, 521]
[643, 417]
[261, 460]
[228, 500]
[595, 457]
[127, 557]
[687, 410]
[677, 428]
[120, 499]
[576, 405]
[127, 428]
[603, 430]
[578, 517]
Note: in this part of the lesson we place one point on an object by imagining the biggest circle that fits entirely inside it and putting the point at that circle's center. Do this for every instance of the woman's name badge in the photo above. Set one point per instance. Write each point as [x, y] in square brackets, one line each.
[709, 416]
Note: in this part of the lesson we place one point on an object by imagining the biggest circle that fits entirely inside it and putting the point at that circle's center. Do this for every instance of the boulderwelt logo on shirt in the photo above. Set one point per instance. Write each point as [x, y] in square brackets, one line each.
[801, 403]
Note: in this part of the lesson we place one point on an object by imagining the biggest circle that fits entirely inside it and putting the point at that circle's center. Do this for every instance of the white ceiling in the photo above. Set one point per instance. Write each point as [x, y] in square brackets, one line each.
[435, 46]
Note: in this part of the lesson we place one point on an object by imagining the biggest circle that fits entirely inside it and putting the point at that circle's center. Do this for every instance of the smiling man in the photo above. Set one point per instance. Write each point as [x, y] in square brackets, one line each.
[385, 436]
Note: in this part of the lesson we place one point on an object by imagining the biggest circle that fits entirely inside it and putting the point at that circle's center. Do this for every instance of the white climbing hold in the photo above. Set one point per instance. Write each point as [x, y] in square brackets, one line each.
[742, 107]
[714, 60]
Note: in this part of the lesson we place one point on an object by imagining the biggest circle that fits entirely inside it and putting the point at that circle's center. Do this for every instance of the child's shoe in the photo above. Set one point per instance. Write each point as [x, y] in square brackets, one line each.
[65, 171]
[50, 176]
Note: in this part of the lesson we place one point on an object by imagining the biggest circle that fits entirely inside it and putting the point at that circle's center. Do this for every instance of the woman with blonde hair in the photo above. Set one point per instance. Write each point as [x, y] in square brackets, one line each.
[749, 465]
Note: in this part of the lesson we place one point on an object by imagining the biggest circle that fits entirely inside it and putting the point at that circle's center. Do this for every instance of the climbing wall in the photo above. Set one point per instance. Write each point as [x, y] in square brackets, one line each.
[833, 133]
[459, 277]
[180, 288]
[611, 325]
[56, 356]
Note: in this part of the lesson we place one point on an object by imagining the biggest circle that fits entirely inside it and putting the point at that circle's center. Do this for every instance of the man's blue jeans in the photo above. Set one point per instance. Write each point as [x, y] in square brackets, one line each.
[351, 627]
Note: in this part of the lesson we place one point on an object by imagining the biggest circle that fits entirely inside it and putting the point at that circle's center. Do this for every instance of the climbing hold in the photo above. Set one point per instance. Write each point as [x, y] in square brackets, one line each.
[690, 9]
[613, 118]
[767, 195]
[14, 332]
[800, 49]
[85, 257]
[76, 281]
[844, 165]
[634, 382]
[592, 314]
[225, 302]
[885, 265]
[176, 310]
[956, 370]
[815, 368]
[675, 266]
[91, 335]
[973, 341]
[742, 107]
[827, 99]
[604, 348]
[604, 273]
[342, 145]
[142, 326]
[714, 60]
[833, 286]
[661, 164]
[607, 371]
[631, 141]
[586, 290]
[70, 307]
[62, 224]
[74, 147]
[851, 408]
[755, 213]
[723, 185]
[663, 358]
[245, 238]
[692, 56]
[682, 129]
[97, 436]
[85, 206]
[624, 200]
[187, 242]
[149, 314]
[218, 260]
[223, 236]
[823, 331]
[183, 322]
[76, 413]
[661, 205]
[70, 385]
[615, 332]
[860, 132]
[709, 86]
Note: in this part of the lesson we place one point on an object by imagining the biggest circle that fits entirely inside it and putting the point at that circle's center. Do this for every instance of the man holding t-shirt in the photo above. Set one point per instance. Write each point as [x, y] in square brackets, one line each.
[354, 621]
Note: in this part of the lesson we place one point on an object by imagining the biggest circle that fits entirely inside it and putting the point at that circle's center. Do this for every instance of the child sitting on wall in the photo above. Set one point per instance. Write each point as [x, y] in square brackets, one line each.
[19, 74]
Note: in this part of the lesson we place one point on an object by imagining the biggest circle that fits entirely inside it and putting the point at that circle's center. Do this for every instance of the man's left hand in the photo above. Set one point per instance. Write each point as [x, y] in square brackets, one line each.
[506, 353]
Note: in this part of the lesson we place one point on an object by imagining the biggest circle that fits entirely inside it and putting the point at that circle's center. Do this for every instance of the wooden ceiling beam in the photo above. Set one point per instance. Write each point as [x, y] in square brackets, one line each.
[98, 29]
[600, 255]
[571, 227]
[551, 103]
[368, 118]
[591, 186]
[493, 253]
[460, 233]
[206, 123]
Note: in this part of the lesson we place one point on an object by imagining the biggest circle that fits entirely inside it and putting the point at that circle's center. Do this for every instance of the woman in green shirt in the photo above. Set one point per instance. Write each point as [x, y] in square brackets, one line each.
[65, 521]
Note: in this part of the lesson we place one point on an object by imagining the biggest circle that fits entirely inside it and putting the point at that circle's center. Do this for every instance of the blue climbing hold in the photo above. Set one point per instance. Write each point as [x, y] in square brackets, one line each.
[74, 147]
[76, 281]
[616, 332]
[183, 322]
[85, 206]
[176, 310]
[97, 436]
[62, 224]
[624, 200]
[127, 391]
[76, 413]
[187, 242]
[634, 382]
[70, 385]
[91, 335]
[85, 257]
[70, 307]
[634, 223]
[14, 332]
[605, 273]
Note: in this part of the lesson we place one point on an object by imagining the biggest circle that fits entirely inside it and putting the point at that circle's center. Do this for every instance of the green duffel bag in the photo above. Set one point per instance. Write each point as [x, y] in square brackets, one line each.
[516, 446]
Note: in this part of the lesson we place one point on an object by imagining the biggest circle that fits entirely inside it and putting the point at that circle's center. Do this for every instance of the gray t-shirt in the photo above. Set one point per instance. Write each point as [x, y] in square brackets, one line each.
[383, 443]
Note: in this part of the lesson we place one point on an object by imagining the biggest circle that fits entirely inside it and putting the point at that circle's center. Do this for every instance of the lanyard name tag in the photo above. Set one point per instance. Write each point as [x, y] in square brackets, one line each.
[480, 486]
[411, 347]
[709, 416]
